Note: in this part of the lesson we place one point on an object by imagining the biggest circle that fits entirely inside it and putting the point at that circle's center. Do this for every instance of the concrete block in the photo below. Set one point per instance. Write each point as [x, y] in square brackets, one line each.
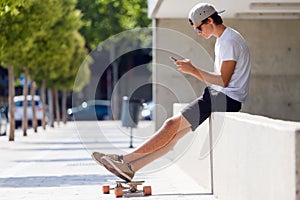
[255, 158]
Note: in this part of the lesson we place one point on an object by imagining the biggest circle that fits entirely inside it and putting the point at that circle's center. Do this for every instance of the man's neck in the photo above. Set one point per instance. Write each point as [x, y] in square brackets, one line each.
[220, 30]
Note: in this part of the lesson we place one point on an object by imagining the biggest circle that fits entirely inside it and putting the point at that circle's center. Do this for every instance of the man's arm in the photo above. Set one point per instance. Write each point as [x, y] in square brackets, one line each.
[222, 79]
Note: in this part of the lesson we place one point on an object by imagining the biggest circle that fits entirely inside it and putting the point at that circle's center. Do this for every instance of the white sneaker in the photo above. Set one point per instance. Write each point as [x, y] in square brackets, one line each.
[120, 169]
[98, 155]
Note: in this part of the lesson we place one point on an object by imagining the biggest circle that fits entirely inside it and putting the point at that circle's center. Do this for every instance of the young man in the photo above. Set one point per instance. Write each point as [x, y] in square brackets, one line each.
[229, 86]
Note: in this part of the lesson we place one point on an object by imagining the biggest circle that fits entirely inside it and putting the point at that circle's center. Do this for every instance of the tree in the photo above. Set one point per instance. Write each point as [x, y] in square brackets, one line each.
[43, 15]
[104, 18]
[56, 50]
[71, 45]
[35, 34]
[13, 37]
[51, 50]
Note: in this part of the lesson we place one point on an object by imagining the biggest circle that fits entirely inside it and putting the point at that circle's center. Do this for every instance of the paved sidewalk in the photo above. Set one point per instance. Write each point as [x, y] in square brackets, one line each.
[56, 164]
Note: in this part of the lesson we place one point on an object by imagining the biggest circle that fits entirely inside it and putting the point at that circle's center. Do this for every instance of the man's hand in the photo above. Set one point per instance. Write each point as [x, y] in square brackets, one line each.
[222, 79]
[186, 66]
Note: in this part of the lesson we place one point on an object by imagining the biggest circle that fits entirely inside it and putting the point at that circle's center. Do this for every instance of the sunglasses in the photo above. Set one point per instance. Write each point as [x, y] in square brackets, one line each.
[198, 28]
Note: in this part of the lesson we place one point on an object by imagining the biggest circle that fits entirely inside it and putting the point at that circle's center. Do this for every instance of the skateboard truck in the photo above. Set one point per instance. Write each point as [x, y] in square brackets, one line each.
[123, 187]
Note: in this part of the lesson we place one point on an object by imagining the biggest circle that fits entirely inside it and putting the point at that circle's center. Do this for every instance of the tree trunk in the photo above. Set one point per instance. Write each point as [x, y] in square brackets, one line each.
[45, 109]
[64, 107]
[51, 107]
[25, 103]
[11, 103]
[34, 120]
[57, 106]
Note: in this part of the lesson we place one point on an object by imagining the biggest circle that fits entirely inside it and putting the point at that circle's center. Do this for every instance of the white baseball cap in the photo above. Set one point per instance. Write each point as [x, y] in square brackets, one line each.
[202, 11]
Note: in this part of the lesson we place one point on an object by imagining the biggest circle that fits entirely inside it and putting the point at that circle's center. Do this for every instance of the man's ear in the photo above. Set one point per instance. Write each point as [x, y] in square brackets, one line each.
[210, 20]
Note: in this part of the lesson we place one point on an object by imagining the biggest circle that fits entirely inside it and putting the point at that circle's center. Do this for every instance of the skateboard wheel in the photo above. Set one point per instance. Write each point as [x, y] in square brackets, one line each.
[147, 190]
[105, 189]
[118, 192]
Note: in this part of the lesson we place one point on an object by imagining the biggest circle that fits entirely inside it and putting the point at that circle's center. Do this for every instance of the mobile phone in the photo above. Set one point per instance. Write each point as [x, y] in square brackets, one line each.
[173, 59]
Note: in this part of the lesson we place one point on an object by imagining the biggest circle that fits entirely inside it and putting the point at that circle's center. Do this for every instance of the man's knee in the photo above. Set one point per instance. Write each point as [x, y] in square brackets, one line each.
[177, 121]
[171, 121]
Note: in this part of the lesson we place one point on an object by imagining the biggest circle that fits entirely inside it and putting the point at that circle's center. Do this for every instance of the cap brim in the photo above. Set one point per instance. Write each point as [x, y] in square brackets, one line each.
[220, 11]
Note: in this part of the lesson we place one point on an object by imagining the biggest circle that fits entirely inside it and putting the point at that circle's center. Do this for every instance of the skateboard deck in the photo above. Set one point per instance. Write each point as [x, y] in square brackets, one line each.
[125, 188]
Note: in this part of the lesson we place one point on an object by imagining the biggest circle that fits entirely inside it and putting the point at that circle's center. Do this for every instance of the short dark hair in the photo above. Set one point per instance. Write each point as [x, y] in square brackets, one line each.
[216, 17]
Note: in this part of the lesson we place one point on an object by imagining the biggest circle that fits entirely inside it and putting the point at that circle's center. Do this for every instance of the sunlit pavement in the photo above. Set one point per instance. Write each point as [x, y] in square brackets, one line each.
[56, 164]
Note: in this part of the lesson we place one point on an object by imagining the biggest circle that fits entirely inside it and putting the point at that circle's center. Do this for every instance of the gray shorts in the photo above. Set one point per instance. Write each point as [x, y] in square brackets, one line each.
[210, 101]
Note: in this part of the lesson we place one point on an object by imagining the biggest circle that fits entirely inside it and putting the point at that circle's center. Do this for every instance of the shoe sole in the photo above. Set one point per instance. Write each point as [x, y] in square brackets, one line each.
[97, 161]
[115, 170]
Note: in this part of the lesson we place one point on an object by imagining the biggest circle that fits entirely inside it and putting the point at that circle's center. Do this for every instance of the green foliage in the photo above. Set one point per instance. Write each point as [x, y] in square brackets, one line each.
[104, 18]
[66, 79]
[14, 32]
[40, 35]
[11, 6]
[43, 34]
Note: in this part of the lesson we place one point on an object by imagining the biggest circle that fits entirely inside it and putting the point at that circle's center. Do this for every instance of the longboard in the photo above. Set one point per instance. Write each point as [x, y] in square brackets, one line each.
[123, 187]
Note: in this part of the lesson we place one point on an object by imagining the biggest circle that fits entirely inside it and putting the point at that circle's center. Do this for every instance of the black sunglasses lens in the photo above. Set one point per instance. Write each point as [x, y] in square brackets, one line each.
[199, 28]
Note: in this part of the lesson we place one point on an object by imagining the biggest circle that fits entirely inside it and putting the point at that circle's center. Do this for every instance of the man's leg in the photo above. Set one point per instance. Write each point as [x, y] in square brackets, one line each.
[155, 147]
[143, 161]
[163, 136]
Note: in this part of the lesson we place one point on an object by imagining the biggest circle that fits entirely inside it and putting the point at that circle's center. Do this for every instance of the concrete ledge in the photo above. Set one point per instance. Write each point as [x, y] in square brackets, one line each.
[194, 154]
[253, 157]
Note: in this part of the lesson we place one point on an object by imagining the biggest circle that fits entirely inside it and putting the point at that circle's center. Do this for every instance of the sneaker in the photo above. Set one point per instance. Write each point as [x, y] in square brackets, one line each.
[98, 155]
[120, 169]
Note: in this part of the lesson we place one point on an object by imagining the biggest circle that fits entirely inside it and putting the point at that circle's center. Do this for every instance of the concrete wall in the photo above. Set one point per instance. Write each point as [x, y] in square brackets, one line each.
[253, 157]
[194, 154]
[275, 78]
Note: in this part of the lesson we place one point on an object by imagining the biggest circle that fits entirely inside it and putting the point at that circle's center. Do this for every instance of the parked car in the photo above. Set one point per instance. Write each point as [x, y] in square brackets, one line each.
[3, 122]
[91, 110]
[147, 110]
[19, 109]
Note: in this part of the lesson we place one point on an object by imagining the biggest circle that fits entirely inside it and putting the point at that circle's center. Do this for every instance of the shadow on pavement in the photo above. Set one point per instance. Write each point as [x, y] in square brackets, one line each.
[57, 160]
[53, 181]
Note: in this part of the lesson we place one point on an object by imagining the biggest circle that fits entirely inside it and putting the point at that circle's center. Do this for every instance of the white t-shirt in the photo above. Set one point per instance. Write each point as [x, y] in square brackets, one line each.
[232, 46]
